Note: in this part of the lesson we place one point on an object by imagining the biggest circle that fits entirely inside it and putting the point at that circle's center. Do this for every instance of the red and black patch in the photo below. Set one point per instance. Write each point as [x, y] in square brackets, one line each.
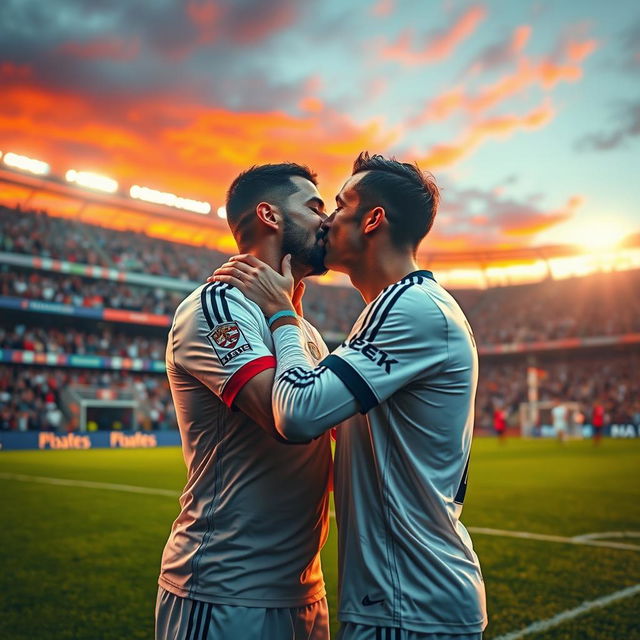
[226, 335]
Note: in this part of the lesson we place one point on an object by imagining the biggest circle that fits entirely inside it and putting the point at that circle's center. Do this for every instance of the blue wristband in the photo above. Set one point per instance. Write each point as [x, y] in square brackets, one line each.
[285, 313]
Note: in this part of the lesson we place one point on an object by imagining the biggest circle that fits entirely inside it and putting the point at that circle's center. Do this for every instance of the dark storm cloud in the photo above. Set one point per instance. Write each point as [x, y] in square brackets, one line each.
[208, 51]
[618, 136]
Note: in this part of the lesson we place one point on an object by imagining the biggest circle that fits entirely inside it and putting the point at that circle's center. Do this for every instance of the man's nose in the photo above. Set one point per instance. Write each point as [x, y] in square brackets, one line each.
[326, 223]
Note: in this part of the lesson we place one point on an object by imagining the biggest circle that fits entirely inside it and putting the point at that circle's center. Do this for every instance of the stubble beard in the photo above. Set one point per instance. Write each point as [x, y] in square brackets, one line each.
[297, 242]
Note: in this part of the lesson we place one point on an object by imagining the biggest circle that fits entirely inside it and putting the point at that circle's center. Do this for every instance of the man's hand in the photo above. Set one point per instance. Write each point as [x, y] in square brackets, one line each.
[271, 291]
[298, 292]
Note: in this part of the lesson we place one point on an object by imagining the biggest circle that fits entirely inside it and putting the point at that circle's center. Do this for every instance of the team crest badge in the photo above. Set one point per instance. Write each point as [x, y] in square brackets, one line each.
[228, 341]
[226, 335]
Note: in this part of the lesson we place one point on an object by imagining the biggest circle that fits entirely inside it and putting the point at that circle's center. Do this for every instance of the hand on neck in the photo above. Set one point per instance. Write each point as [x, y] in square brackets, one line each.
[271, 253]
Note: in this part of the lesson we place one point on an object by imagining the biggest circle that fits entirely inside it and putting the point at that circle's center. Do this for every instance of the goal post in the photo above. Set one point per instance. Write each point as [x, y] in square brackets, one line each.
[536, 419]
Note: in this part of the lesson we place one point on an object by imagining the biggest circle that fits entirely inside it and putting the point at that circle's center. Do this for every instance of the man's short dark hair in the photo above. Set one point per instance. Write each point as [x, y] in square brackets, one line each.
[408, 195]
[267, 182]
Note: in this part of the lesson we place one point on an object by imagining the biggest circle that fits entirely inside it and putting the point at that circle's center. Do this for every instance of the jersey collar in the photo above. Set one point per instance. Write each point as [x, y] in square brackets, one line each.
[421, 272]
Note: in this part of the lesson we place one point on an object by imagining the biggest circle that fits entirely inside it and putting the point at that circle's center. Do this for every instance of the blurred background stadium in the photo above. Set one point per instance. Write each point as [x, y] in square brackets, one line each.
[122, 124]
[87, 301]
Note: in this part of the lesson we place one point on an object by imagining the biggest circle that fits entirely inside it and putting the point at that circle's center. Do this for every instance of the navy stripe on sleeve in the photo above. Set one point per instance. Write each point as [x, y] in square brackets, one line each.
[225, 304]
[385, 313]
[353, 381]
[203, 304]
[210, 303]
[375, 306]
[299, 381]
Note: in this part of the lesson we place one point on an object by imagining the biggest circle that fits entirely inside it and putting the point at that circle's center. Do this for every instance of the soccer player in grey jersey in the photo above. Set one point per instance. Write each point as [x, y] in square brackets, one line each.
[243, 557]
[406, 563]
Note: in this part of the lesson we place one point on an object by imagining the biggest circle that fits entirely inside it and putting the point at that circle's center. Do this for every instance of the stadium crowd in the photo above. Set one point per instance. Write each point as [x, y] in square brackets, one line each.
[549, 310]
[103, 341]
[31, 397]
[86, 292]
[600, 304]
[611, 381]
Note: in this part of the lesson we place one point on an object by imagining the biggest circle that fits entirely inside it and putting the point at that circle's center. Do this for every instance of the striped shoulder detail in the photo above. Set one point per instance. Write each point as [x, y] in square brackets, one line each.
[213, 299]
[299, 377]
[380, 308]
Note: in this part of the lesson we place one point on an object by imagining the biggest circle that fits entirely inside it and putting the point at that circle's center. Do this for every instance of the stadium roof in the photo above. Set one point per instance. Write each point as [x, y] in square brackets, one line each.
[121, 212]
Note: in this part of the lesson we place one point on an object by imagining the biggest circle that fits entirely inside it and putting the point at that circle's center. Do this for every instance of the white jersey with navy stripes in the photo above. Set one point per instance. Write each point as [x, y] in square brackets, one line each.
[254, 511]
[410, 365]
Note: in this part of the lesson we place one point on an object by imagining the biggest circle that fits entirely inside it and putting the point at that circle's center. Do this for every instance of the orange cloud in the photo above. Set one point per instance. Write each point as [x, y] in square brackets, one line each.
[440, 46]
[382, 8]
[204, 16]
[535, 223]
[173, 145]
[520, 38]
[545, 73]
[443, 155]
[11, 71]
[311, 104]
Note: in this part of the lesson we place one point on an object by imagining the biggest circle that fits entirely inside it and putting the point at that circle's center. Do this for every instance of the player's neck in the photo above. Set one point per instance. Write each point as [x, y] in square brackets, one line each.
[380, 269]
[272, 255]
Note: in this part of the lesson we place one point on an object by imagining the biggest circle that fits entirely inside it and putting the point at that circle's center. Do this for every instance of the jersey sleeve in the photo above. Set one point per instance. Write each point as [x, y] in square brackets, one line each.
[225, 345]
[403, 336]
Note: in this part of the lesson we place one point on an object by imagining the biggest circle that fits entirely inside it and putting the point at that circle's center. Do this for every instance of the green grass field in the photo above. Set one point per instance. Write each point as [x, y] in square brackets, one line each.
[81, 562]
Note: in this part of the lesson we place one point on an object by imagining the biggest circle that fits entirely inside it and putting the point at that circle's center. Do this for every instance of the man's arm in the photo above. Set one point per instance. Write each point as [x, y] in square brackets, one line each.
[403, 338]
[307, 400]
[221, 344]
[254, 400]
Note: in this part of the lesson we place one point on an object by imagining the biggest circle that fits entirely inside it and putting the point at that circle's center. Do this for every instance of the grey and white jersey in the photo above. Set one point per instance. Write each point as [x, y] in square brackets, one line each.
[254, 511]
[410, 365]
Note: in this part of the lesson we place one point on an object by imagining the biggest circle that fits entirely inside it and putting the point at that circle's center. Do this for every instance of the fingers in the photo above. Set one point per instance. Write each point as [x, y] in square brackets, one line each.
[286, 266]
[236, 269]
[248, 259]
[239, 284]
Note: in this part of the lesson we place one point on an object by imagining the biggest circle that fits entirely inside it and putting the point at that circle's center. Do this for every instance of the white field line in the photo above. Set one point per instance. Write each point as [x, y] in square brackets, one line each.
[569, 614]
[586, 539]
[608, 534]
[90, 485]
[541, 625]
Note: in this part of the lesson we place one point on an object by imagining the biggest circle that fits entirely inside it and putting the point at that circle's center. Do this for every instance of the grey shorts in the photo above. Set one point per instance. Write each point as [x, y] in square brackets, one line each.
[184, 619]
[353, 631]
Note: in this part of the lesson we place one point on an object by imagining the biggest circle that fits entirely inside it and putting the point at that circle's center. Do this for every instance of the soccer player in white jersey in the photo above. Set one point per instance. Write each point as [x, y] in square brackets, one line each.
[407, 567]
[243, 557]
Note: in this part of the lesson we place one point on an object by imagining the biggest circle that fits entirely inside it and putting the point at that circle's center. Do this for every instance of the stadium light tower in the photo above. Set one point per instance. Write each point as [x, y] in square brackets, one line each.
[24, 163]
[92, 180]
[169, 199]
[222, 213]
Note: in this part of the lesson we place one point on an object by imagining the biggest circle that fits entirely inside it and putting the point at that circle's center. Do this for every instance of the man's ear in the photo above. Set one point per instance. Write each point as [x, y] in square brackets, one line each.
[269, 215]
[374, 220]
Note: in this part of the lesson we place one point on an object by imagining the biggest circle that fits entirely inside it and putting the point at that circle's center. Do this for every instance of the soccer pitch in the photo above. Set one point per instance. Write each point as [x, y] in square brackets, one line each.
[82, 533]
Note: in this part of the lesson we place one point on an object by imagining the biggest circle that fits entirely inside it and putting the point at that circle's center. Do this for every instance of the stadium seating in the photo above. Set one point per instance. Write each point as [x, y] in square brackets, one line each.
[600, 305]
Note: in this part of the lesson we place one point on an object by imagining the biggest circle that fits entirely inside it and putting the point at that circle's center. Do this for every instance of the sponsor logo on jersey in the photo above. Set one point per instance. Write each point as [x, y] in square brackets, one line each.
[368, 602]
[313, 350]
[228, 341]
[380, 357]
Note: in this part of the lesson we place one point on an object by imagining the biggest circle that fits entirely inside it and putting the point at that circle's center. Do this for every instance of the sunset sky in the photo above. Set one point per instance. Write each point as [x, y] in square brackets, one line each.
[528, 113]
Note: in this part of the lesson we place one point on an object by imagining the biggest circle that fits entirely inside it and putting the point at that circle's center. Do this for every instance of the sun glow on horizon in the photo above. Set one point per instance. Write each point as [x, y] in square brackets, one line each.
[605, 234]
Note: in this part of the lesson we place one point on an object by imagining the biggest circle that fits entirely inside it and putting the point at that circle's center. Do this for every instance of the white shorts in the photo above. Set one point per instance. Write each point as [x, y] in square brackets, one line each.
[184, 619]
